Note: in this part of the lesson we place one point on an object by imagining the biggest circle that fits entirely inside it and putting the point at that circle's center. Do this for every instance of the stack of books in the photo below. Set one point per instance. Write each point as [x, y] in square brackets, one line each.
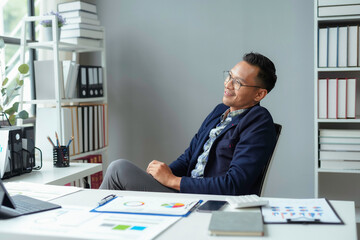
[334, 8]
[339, 149]
[82, 25]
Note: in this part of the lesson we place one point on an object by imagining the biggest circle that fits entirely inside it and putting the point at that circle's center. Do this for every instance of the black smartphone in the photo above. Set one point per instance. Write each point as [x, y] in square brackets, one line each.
[211, 205]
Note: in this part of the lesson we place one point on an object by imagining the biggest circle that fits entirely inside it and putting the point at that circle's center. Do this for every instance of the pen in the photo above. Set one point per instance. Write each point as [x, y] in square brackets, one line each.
[106, 199]
[71, 139]
[52, 143]
[57, 139]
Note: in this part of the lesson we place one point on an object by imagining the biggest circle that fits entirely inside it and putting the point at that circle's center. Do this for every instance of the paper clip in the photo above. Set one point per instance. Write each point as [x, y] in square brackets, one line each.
[106, 199]
[302, 220]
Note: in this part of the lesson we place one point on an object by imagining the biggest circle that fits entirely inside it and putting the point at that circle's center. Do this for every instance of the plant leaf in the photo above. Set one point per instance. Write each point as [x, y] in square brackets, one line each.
[10, 111]
[5, 81]
[12, 119]
[23, 114]
[15, 106]
[23, 68]
[21, 82]
[1, 109]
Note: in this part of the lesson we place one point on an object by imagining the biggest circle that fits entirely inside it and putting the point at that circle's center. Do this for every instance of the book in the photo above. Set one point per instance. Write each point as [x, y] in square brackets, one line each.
[70, 88]
[91, 127]
[83, 26]
[100, 82]
[85, 129]
[45, 79]
[339, 140]
[351, 98]
[339, 155]
[332, 47]
[342, 46]
[84, 33]
[339, 133]
[236, 223]
[76, 5]
[322, 98]
[101, 124]
[352, 46]
[78, 13]
[96, 128]
[68, 76]
[337, 2]
[340, 146]
[332, 98]
[340, 164]
[82, 20]
[80, 129]
[345, 10]
[323, 47]
[74, 130]
[83, 41]
[83, 82]
[341, 98]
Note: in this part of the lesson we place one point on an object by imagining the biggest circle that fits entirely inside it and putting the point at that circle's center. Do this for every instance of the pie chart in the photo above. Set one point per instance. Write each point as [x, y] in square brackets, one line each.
[172, 205]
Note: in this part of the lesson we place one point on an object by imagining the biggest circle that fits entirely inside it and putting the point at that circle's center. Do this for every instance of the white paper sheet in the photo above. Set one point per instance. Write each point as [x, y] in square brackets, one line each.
[299, 210]
[39, 191]
[80, 223]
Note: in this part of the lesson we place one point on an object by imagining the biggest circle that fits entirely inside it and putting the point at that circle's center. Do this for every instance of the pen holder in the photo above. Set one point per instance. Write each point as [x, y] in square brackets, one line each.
[61, 156]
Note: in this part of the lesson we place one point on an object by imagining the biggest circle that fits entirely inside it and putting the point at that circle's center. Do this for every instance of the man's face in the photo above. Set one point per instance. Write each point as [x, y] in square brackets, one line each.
[245, 96]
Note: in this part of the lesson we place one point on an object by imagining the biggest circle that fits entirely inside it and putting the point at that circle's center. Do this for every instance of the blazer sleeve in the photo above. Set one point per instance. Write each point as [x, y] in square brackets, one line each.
[254, 146]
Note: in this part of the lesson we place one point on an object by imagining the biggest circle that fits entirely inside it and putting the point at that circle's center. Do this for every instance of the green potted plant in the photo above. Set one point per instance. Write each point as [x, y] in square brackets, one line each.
[10, 89]
[47, 24]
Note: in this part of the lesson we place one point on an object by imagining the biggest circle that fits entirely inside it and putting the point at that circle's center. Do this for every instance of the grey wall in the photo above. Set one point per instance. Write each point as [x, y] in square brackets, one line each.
[165, 60]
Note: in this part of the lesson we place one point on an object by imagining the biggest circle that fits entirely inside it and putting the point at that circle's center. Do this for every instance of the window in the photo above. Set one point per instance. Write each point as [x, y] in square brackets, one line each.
[11, 14]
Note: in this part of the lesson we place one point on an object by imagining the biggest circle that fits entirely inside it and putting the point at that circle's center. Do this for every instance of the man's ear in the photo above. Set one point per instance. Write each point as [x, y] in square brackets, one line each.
[262, 92]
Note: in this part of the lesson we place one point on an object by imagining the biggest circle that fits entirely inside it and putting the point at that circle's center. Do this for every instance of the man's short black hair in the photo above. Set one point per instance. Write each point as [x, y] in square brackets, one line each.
[267, 73]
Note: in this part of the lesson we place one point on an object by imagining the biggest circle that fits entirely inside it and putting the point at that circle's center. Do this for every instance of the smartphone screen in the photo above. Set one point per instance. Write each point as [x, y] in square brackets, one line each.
[211, 205]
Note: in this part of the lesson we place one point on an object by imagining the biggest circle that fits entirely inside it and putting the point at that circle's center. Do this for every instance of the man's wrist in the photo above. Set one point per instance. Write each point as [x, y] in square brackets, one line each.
[175, 183]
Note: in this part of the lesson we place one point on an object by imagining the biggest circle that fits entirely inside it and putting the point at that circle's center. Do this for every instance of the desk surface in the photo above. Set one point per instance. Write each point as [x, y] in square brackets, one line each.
[196, 224]
[49, 174]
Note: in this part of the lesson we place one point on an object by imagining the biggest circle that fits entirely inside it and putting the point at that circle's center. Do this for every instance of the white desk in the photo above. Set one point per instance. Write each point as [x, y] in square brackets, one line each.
[58, 176]
[196, 224]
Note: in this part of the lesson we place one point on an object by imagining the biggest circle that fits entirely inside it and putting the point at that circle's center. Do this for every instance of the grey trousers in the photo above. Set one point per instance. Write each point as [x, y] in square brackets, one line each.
[124, 175]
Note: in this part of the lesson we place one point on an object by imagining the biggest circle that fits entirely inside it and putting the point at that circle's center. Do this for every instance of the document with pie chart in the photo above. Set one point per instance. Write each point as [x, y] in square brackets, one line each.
[149, 205]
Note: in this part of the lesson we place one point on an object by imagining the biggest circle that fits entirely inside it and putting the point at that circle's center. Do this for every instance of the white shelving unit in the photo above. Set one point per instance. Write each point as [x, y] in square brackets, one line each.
[332, 183]
[59, 101]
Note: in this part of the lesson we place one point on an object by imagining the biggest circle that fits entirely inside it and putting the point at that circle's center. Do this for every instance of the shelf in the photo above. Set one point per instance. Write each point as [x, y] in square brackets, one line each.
[58, 176]
[339, 19]
[66, 101]
[356, 120]
[62, 46]
[339, 69]
[322, 170]
[98, 151]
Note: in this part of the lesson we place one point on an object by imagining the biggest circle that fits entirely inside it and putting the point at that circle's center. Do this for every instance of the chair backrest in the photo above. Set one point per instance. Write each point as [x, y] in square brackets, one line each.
[263, 177]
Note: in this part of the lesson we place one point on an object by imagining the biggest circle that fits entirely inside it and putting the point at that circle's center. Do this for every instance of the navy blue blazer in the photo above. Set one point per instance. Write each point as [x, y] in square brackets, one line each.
[236, 157]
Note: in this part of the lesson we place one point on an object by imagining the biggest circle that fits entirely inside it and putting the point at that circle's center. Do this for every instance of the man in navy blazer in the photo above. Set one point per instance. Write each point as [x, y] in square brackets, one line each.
[228, 153]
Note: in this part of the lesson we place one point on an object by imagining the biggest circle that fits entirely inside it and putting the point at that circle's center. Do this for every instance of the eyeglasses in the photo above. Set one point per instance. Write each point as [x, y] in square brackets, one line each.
[235, 81]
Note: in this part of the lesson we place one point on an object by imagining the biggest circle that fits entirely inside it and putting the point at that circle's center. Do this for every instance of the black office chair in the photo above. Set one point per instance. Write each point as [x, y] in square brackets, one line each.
[263, 176]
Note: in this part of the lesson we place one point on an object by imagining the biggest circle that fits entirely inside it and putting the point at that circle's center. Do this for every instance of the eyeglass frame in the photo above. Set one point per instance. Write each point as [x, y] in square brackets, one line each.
[227, 74]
